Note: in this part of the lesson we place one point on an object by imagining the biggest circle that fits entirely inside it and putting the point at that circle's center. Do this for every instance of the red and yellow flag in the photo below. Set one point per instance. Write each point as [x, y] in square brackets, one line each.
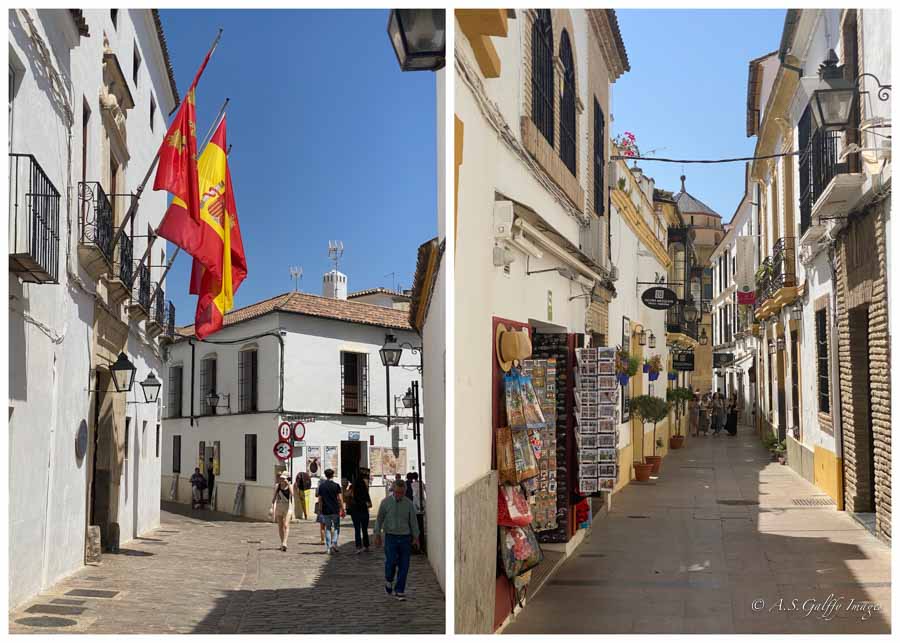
[177, 174]
[222, 233]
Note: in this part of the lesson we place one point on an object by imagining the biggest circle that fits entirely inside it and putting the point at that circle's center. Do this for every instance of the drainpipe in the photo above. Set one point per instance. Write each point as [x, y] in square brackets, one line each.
[193, 352]
[836, 408]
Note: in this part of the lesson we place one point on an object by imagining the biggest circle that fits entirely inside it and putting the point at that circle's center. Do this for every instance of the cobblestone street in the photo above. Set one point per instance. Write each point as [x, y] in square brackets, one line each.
[711, 547]
[218, 576]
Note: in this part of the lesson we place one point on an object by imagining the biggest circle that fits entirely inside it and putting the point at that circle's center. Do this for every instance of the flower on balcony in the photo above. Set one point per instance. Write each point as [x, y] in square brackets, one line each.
[627, 144]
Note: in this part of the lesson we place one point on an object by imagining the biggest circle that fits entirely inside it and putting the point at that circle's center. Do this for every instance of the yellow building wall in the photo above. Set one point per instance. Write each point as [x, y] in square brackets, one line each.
[829, 474]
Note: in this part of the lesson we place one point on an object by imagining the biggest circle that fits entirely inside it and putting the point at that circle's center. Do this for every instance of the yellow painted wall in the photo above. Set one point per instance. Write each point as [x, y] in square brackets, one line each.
[625, 471]
[829, 474]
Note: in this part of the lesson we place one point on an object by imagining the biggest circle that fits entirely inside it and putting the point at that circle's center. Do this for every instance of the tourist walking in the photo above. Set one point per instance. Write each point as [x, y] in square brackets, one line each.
[329, 493]
[198, 484]
[732, 414]
[281, 507]
[360, 503]
[301, 484]
[705, 414]
[694, 414]
[718, 414]
[397, 520]
[210, 482]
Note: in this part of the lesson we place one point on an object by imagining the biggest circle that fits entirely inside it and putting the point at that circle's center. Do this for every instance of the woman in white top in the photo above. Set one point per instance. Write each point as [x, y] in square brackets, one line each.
[281, 507]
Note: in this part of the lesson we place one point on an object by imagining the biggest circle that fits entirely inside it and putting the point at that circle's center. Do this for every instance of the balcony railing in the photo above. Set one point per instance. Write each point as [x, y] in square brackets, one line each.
[96, 219]
[818, 166]
[778, 271]
[33, 221]
[676, 323]
[141, 288]
[159, 307]
[124, 268]
[169, 331]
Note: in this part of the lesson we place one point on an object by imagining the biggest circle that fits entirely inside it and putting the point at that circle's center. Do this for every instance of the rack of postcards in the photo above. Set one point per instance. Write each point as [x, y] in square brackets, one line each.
[542, 488]
[596, 418]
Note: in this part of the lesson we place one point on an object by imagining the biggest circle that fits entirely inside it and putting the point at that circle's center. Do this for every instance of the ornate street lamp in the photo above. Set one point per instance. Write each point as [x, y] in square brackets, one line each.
[691, 313]
[704, 338]
[652, 340]
[122, 372]
[419, 38]
[408, 399]
[642, 337]
[834, 103]
[391, 351]
[151, 387]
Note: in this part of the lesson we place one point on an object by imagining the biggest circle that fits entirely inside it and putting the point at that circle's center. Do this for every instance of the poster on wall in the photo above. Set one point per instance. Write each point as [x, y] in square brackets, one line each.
[744, 275]
[314, 461]
[331, 460]
[598, 403]
[385, 462]
[376, 468]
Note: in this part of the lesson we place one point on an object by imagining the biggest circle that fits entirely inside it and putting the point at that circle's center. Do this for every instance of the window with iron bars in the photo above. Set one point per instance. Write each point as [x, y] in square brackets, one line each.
[567, 146]
[822, 360]
[599, 156]
[176, 454]
[173, 401]
[354, 383]
[542, 74]
[250, 456]
[248, 380]
[207, 384]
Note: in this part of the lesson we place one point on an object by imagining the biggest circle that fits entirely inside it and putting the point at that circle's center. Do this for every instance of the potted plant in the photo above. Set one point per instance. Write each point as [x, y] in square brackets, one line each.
[780, 450]
[654, 367]
[626, 366]
[678, 398]
[649, 409]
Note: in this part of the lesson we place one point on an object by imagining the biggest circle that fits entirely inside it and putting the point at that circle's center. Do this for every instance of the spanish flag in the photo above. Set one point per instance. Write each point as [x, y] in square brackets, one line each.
[221, 231]
[177, 174]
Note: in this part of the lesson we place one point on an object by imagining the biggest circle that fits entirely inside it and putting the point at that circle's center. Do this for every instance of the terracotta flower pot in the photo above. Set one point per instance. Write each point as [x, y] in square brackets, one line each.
[642, 471]
[676, 441]
[655, 460]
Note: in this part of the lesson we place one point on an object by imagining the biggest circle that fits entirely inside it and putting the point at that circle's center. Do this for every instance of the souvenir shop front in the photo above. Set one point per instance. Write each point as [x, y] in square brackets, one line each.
[554, 408]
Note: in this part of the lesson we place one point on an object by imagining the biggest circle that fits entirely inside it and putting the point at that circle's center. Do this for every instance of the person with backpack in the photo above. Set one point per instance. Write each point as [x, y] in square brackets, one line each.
[360, 503]
[281, 507]
[198, 484]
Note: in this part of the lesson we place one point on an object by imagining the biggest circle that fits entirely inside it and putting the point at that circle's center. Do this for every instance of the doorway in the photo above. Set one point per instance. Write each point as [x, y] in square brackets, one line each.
[353, 457]
[795, 386]
[863, 437]
[782, 399]
[105, 465]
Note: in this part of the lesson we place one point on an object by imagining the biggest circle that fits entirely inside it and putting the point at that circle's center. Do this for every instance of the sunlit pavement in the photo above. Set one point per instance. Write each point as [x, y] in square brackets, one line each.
[724, 541]
[214, 575]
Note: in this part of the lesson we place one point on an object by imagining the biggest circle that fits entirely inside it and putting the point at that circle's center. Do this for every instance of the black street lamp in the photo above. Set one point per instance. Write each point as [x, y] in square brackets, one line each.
[212, 400]
[704, 339]
[151, 387]
[642, 337]
[419, 38]
[390, 356]
[834, 103]
[122, 372]
[652, 340]
[690, 312]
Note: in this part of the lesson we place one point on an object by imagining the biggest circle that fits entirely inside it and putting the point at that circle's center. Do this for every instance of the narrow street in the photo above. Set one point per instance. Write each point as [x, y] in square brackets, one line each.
[218, 576]
[731, 534]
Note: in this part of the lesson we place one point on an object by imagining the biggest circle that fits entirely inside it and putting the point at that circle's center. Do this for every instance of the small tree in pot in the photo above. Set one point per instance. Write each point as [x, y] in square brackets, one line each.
[650, 409]
[678, 398]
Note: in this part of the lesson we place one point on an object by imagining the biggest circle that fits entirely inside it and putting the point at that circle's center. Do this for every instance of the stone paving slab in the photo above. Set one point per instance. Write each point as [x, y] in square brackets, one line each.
[217, 575]
[722, 532]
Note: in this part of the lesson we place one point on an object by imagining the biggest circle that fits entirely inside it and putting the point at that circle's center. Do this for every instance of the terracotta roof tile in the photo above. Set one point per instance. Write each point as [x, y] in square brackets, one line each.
[377, 291]
[353, 312]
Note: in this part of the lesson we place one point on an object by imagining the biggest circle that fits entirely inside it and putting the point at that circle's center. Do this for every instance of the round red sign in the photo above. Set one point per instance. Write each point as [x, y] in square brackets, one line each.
[284, 431]
[299, 431]
[283, 450]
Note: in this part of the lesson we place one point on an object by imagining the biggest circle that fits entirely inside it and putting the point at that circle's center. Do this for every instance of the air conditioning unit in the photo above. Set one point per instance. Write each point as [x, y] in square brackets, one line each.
[503, 219]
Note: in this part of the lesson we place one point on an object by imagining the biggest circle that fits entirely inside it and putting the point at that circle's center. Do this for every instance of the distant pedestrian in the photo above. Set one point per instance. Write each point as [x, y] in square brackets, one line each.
[198, 484]
[418, 488]
[301, 483]
[397, 478]
[718, 407]
[410, 477]
[281, 507]
[211, 481]
[397, 519]
[694, 414]
[329, 493]
[360, 503]
[705, 414]
[732, 414]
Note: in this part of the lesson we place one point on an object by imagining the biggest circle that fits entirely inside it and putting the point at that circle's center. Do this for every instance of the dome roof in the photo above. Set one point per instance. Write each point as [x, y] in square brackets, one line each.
[688, 204]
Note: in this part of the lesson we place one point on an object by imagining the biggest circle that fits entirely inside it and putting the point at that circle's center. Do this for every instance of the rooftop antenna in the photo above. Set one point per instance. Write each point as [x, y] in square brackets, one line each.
[335, 252]
[393, 276]
[296, 275]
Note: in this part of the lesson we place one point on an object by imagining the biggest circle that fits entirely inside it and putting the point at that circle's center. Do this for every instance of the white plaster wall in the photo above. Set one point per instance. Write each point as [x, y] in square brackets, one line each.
[875, 57]
[50, 330]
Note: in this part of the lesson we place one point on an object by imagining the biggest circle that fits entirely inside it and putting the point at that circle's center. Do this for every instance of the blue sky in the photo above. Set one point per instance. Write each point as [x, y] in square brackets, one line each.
[686, 93]
[330, 141]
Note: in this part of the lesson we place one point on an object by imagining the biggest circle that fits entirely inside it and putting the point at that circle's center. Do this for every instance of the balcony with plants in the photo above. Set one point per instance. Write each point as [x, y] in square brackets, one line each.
[776, 279]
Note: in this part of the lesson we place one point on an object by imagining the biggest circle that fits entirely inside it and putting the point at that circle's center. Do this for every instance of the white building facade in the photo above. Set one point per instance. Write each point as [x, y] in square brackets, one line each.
[89, 91]
[293, 358]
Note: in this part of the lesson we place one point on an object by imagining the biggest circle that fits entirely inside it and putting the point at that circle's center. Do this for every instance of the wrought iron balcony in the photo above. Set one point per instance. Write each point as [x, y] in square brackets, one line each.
[778, 271]
[95, 247]
[676, 323]
[139, 309]
[170, 320]
[33, 221]
[825, 183]
[156, 323]
[123, 269]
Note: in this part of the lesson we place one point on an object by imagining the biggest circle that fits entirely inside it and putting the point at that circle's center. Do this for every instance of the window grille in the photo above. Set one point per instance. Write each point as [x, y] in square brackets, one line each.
[354, 383]
[176, 454]
[599, 155]
[173, 403]
[542, 74]
[250, 456]
[248, 381]
[207, 384]
[567, 146]
[822, 360]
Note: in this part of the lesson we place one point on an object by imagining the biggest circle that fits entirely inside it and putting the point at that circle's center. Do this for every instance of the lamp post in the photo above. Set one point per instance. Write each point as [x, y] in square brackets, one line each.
[834, 103]
[411, 401]
[122, 372]
[390, 356]
[151, 387]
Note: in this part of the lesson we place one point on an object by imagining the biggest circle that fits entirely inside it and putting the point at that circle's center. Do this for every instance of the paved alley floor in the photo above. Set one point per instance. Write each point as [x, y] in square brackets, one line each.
[725, 541]
[216, 575]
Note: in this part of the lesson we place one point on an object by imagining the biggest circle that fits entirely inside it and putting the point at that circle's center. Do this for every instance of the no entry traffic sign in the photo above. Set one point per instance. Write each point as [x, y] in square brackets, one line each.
[284, 431]
[283, 450]
[299, 431]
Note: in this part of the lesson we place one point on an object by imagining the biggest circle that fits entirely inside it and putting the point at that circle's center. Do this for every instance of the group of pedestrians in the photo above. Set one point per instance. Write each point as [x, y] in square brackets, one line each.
[714, 412]
[201, 483]
[399, 518]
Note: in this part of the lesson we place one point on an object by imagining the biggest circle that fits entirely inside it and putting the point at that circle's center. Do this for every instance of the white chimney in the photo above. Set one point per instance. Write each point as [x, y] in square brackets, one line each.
[334, 285]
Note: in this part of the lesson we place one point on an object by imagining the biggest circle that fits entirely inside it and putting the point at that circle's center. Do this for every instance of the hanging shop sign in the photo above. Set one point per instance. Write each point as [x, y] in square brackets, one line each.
[353, 436]
[721, 360]
[744, 276]
[284, 431]
[683, 361]
[283, 450]
[659, 298]
[299, 431]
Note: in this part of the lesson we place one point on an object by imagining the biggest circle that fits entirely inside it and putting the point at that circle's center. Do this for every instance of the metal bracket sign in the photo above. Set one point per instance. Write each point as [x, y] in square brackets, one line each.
[683, 361]
[283, 450]
[284, 431]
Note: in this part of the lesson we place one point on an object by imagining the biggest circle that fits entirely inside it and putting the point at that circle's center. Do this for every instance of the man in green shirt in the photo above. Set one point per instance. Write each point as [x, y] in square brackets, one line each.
[397, 519]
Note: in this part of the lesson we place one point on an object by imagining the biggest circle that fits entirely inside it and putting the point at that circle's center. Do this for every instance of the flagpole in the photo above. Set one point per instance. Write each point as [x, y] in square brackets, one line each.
[135, 196]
